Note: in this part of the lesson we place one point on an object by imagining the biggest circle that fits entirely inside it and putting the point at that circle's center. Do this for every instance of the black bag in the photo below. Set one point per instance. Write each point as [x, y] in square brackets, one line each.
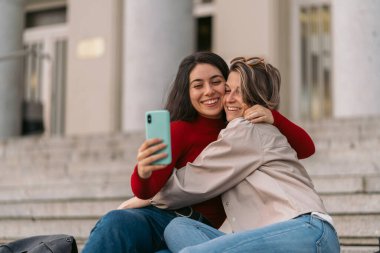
[42, 244]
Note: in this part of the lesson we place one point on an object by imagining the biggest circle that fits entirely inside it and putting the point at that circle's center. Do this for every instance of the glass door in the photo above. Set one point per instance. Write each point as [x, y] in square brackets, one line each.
[45, 79]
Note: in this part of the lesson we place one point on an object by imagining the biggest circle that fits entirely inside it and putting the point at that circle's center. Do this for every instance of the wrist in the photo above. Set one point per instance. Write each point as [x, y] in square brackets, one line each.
[276, 117]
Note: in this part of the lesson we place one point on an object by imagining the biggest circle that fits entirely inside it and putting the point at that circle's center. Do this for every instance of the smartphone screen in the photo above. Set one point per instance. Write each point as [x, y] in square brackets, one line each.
[157, 125]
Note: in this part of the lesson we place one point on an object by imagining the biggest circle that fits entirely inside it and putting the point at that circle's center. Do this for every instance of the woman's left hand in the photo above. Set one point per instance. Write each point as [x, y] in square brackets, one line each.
[259, 114]
[134, 203]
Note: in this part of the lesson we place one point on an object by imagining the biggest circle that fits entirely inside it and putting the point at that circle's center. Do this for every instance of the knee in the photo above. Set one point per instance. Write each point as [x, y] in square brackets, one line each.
[179, 226]
[182, 221]
[114, 217]
[120, 219]
[176, 224]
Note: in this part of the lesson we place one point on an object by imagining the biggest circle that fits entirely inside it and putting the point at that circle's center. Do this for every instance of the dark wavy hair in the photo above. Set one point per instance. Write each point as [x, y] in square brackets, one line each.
[178, 102]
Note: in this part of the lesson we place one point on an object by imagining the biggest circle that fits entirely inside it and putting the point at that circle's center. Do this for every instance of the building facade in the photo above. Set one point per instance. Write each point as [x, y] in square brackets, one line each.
[96, 66]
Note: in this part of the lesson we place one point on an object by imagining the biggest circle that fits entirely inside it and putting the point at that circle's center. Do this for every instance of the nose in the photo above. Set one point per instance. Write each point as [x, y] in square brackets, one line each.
[230, 97]
[209, 89]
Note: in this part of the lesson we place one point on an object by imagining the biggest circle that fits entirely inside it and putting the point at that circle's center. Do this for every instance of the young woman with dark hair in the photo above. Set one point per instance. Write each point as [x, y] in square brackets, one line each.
[197, 116]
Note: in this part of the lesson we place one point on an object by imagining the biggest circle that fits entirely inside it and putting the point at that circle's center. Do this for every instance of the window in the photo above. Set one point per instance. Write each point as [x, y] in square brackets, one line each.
[45, 79]
[203, 11]
[46, 17]
[204, 34]
[315, 39]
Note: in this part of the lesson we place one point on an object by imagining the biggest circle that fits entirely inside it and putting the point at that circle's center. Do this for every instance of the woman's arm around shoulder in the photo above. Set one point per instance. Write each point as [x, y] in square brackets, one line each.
[297, 137]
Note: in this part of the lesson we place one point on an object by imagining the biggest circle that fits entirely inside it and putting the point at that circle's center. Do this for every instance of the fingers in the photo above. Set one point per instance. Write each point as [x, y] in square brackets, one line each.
[250, 116]
[146, 171]
[259, 114]
[149, 143]
[156, 167]
[258, 120]
[251, 112]
[151, 159]
[147, 154]
[144, 153]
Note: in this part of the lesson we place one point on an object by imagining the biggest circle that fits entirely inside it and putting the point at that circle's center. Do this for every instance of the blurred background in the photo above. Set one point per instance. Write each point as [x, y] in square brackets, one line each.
[92, 66]
[76, 78]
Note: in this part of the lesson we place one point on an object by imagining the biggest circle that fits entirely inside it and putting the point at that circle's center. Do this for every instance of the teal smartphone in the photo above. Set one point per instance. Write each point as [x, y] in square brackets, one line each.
[157, 125]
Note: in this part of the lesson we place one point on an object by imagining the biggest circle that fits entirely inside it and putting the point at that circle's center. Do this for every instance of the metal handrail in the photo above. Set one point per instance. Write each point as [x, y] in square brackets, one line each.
[24, 52]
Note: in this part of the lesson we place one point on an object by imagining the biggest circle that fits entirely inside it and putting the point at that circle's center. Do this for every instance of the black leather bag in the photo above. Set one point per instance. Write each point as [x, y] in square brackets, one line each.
[42, 244]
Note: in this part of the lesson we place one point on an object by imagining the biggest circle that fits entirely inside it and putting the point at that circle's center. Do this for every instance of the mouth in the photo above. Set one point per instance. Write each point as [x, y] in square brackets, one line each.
[233, 108]
[210, 102]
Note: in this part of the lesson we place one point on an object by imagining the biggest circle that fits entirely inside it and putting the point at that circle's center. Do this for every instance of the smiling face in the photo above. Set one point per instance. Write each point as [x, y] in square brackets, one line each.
[206, 90]
[233, 98]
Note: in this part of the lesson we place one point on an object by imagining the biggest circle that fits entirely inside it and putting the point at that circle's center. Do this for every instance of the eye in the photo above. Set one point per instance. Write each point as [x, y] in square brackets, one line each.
[216, 81]
[198, 86]
[227, 89]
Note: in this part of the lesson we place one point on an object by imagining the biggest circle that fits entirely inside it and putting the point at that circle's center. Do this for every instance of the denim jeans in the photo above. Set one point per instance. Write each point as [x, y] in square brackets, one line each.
[130, 231]
[304, 234]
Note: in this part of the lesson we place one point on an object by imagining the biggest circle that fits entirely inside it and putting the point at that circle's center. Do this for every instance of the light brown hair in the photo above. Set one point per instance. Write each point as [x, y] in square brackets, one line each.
[260, 81]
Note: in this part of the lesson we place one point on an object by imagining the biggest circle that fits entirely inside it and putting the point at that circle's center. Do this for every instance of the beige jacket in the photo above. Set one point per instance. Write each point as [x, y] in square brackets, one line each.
[256, 171]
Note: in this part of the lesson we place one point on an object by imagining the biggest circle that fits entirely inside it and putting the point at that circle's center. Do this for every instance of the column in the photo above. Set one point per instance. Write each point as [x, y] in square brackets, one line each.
[356, 61]
[11, 71]
[157, 35]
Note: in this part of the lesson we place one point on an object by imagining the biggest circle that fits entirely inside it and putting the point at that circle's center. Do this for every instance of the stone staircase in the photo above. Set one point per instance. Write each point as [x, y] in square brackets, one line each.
[63, 185]
[346, 172]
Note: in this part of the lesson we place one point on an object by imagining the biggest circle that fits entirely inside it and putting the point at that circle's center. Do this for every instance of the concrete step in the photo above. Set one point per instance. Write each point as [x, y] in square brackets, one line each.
[56, 178]
[117, 185]
[65, 192]
[43, 150]
[360, 241]
[358, 204]
[78, 172]
[347, 184]
[55, 209]
[324, 166]
[337, 125]
[359, 249]
[358, 226]
[13, 229]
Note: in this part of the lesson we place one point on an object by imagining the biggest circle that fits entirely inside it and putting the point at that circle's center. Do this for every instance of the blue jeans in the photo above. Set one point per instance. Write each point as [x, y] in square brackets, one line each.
[128, 231]
[139, 230]
[304, 234]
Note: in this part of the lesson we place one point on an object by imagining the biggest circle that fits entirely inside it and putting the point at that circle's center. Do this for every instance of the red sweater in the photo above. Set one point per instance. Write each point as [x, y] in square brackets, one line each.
[190, 138]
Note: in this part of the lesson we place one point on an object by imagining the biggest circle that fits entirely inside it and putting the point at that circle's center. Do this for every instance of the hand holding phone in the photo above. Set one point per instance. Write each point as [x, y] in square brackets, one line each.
[157, 125]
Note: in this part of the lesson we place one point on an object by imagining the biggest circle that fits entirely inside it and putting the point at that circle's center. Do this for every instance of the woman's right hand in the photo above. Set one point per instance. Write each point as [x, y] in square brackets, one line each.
[146, 156]
[134, 203]
[259, 114]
